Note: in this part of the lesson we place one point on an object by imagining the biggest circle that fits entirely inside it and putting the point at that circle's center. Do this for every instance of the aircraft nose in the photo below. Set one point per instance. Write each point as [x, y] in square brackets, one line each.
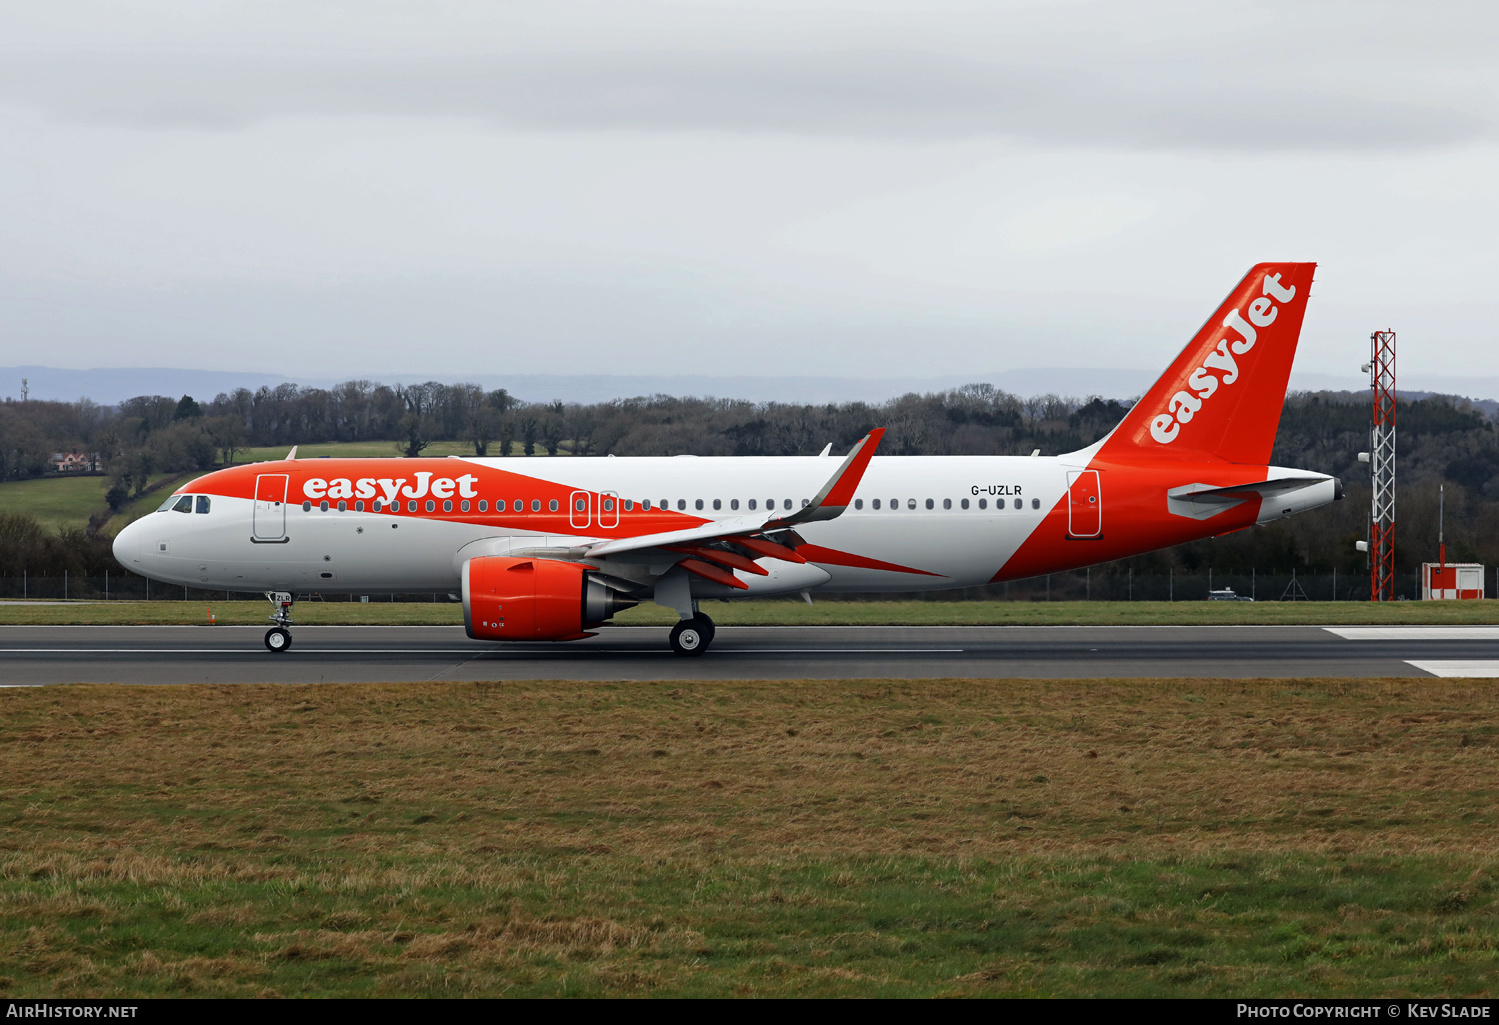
[126, 545]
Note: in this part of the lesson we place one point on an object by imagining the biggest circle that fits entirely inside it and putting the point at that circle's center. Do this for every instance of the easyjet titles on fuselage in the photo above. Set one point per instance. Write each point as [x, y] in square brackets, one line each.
[316, 488]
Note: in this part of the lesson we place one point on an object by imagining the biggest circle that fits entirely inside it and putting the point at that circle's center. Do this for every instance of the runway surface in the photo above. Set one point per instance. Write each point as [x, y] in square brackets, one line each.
[31, 655]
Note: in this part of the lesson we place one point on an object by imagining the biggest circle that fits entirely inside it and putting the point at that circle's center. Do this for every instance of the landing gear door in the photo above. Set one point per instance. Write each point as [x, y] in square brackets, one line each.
[270, 507]
[1084, 504]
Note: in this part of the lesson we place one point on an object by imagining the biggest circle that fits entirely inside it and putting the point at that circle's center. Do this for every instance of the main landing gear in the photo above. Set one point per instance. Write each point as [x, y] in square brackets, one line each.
[278, 637]
[692, 636]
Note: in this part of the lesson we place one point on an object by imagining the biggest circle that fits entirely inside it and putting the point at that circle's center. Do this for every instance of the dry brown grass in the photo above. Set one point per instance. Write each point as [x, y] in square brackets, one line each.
[538, 836]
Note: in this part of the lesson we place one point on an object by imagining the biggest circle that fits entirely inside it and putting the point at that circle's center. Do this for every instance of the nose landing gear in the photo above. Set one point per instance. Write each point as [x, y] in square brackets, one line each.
[278, 637]
[692, 636]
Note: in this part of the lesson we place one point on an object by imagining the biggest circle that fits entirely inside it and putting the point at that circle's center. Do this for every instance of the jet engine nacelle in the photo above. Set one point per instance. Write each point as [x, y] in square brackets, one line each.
[508, 599]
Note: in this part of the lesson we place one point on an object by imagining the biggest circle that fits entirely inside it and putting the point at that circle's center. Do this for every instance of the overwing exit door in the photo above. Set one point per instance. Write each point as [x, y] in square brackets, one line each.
[270, 508]
[1084, 504]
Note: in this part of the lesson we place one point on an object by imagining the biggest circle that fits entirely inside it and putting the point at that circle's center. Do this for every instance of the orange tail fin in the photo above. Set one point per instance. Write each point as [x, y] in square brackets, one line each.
[1223, 395]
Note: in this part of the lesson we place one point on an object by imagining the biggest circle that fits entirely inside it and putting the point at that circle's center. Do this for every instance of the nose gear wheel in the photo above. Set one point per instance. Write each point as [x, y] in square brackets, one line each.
[278, 637]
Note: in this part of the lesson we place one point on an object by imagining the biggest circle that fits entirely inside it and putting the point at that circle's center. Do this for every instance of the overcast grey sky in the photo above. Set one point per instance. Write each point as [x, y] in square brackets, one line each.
[852, 189]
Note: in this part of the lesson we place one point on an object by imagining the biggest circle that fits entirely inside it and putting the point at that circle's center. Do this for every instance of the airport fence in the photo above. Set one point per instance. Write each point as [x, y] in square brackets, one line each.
[129, 587]
[1077, 585]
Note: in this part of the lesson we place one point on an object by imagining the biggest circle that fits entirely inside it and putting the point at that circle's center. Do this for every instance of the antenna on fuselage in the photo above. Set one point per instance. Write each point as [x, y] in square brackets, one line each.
[292, 454]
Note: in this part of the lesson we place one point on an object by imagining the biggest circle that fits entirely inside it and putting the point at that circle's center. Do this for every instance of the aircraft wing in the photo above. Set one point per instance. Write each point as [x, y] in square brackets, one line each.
[745, 525]
[747, 531]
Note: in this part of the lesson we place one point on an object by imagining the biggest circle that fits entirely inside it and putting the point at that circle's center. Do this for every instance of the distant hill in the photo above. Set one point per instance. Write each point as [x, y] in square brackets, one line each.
[111, 385]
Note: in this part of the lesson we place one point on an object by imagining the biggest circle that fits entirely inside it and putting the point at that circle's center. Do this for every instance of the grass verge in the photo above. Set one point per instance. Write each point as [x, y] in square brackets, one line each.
[795, 612]
[1183, 837]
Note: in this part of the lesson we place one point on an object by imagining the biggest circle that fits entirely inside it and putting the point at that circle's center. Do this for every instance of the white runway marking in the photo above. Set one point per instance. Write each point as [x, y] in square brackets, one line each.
[1457, 667]
[1415, 633]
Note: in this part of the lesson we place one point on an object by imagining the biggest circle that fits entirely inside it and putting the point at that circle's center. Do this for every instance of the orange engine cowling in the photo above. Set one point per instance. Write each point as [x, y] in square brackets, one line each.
[508, 599]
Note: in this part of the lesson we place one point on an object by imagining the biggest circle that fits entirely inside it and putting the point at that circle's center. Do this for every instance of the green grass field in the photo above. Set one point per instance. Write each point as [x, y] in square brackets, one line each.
[70, 501]
[924, 838]
[55, 501]
[794, 612]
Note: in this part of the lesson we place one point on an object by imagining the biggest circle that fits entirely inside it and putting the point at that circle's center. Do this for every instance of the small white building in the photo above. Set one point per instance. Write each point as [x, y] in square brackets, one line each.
[1452, 581]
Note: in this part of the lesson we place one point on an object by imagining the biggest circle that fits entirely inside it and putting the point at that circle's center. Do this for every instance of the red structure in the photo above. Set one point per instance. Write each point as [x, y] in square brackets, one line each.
[1454, 581]
[1382, 467]
[1451, 581]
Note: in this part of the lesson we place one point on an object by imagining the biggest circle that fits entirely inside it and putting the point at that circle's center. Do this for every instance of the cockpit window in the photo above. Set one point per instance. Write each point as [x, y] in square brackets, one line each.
[203, 503]
[184, 504]
[167, 505]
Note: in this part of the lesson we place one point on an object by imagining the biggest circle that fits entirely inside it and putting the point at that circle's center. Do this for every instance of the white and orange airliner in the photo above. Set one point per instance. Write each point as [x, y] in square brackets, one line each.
[546, 549]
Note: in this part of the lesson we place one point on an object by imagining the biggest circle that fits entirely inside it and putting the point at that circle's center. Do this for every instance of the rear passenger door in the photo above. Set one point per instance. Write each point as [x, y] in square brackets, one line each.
[1084, 504]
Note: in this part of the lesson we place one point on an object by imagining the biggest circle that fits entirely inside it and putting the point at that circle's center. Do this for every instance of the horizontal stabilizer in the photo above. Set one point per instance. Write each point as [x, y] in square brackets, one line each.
[1204, 501]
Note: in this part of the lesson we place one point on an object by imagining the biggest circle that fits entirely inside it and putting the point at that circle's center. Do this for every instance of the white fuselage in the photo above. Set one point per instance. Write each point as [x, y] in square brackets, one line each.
[345, 552]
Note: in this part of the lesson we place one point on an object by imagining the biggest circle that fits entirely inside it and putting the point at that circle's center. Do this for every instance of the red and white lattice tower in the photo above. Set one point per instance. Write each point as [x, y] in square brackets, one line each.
[1382, 467]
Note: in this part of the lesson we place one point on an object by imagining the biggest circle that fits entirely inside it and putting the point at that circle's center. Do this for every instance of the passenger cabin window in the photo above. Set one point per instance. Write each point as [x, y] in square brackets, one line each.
[447, 505]
[411, 506]
[681, 503]
[733, 503]
[965, 503]
[911, 503]
[1035, 503]
[323, 505]
[552, 505]
[983, 503]
[930, 504]
[343, 506]
[484, 505]
[307, 507]
[858, 503]
[536, 505]
[464, 506]
[629, 505]
[752, 504]
[359, 507]
[875, 504]
[431, 505]
[202, 504]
